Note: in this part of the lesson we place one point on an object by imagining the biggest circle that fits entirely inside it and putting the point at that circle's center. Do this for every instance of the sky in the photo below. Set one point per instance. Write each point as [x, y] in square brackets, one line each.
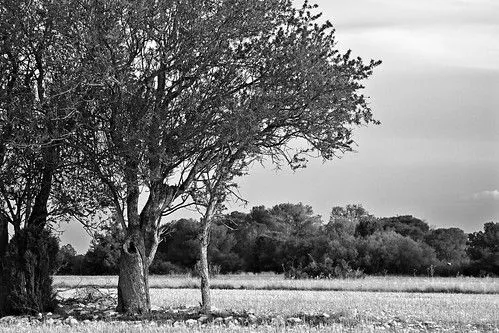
[436, 154]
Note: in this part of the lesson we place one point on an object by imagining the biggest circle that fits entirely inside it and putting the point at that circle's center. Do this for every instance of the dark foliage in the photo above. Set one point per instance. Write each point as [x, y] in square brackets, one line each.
[483, 249]
[26, 283]
[289, 238]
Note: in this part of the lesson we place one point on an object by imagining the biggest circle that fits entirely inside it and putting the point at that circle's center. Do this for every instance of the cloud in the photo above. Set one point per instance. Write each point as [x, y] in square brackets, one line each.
[494, 195]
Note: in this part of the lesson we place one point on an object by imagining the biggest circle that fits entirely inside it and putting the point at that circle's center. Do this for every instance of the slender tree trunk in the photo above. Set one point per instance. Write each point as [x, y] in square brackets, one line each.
[204, 265]
[133, 282]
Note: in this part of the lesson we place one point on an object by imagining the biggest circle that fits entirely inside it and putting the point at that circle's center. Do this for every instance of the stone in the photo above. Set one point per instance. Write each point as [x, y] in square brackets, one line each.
[203, 319]
[191, 322]
[228, 319]
[71, 321]
[252, 318]
[218, 320]
[325, 315]
[7, 319]
[50, 321]
[277, 321]
[294, 320]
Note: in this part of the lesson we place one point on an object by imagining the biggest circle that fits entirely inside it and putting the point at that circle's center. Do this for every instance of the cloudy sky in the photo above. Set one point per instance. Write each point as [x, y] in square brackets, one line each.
[436, 154]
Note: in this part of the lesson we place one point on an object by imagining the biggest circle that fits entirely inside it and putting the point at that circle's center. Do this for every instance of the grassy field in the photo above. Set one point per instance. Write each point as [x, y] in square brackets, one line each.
[139, 328]
[373, 304]
[447, 309]
[277, 282]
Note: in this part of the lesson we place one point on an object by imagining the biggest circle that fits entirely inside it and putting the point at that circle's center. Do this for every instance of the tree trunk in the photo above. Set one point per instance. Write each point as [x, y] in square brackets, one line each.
[4, 237]
[133, 283]
[204, 270]
[4, 242]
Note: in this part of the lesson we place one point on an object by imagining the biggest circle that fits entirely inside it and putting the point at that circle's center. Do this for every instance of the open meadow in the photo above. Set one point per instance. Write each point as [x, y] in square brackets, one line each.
[468, 285]
[269, 303]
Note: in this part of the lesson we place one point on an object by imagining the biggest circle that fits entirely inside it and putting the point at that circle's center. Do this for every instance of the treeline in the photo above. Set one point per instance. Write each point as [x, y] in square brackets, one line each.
[290, 239]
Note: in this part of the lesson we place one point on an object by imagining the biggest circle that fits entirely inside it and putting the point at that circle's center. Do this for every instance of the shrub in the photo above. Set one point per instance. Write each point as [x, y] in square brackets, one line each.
[30, 260]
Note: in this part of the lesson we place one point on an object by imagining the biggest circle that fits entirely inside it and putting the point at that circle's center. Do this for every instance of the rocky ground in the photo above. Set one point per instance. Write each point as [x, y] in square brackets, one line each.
[92, 305]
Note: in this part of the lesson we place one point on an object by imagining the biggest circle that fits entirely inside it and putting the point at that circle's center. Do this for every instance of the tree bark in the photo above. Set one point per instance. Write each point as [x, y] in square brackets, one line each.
[203, 263]
[133, 282]
[4, 237]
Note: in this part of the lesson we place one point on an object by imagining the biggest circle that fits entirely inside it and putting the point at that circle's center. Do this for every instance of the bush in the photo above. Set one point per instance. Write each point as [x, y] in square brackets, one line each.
[324, 270]
[30, 260]
[161, 267]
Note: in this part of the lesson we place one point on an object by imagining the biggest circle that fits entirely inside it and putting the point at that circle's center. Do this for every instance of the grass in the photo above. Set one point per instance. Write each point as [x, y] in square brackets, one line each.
[104, 327]
[445, 309]
[363, 311]
[465, 285]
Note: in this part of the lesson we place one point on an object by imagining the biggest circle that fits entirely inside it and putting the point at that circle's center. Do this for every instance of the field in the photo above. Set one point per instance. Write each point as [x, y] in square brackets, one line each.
[466, 285]
[374, 304]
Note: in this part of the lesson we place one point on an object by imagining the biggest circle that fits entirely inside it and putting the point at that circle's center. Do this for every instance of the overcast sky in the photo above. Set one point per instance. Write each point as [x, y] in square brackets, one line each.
[436, 154]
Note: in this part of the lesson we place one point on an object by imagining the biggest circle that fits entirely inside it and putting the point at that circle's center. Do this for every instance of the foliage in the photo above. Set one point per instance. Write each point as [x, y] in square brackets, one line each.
[25, 280]
[290, 238]
[394, 253]
[104, 253]
[483, 249]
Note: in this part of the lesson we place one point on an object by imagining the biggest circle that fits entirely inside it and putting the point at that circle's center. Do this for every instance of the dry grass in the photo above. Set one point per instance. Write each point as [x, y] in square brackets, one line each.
[458, 309]
[366, 307]
[365, 311]
[466, 285]
[103, 327]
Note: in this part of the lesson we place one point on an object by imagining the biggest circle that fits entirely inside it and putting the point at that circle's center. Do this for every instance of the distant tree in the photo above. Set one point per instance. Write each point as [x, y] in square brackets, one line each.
[298, 220]
[449, 244]
[406, 225]
[103, 256]
[345, 220]
[368, 226]
[221, 249]
[180, 245]
[65, 259]
[392, 253]
[483, 248]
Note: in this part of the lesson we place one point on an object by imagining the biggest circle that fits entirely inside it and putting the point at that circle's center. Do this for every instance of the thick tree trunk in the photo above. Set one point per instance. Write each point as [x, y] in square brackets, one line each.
[4, 237]
[204, 270]
[4, 242]
[133, 283]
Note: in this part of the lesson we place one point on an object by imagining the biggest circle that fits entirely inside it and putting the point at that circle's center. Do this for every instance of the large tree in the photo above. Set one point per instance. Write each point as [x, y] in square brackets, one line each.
[33, 122]
[172, 86]
[39, 81]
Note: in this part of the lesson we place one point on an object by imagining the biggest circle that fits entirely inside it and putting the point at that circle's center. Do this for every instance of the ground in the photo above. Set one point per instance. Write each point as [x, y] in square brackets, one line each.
[268, 303]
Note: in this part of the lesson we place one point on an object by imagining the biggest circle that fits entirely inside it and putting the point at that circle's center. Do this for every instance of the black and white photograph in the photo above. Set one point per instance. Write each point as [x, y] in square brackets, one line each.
[249, 166]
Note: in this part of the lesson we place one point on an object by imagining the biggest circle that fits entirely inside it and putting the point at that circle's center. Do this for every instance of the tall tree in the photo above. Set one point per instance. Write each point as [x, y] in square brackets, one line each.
[172, 85]
[34, 116]
[39, 80]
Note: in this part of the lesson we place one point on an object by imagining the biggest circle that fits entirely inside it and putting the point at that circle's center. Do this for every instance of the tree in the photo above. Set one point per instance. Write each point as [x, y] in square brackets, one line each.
[103, 256]
[449, 244]
[65, 259]
[34, 117]
[393, 253]
[345, 221]
[174, 86]
[483, 248]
